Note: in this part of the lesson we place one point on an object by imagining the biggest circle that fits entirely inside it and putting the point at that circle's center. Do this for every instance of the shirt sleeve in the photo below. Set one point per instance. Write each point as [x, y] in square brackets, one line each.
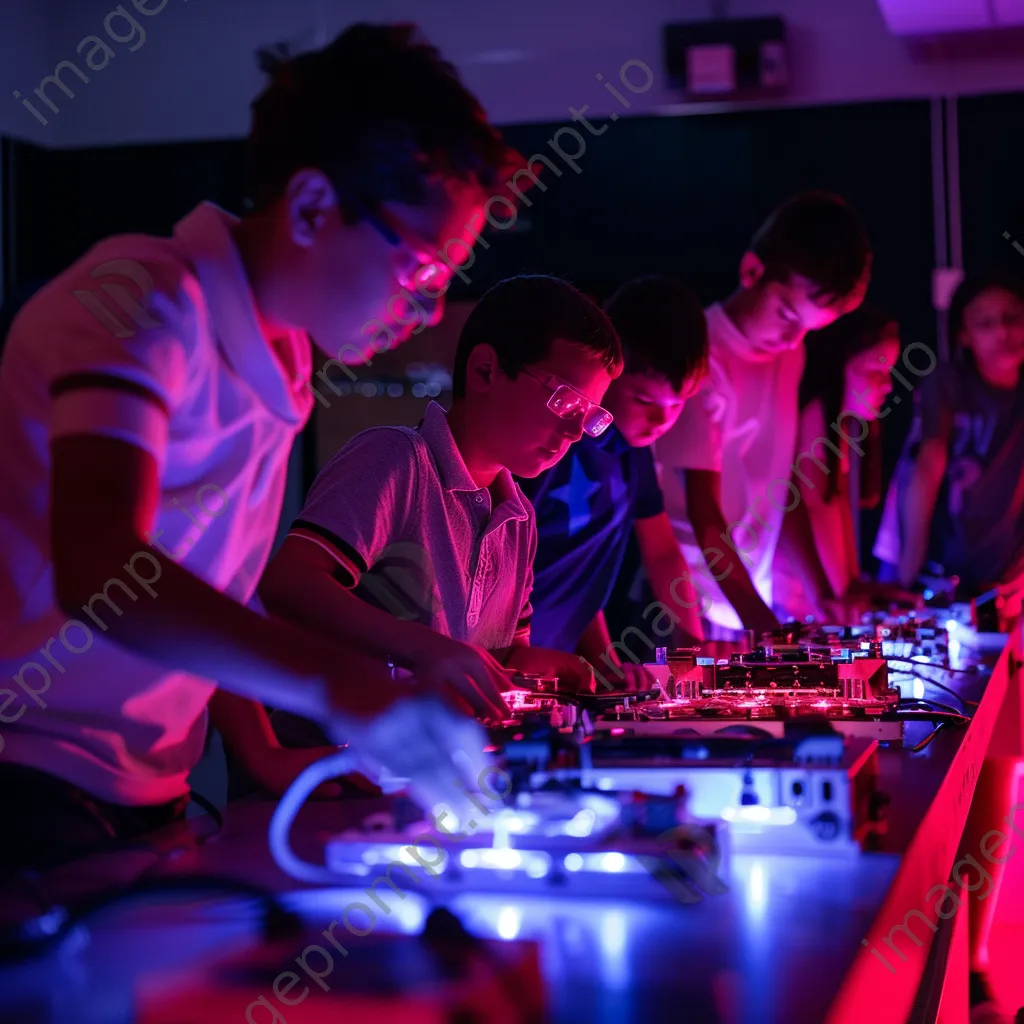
[121, 341]
[359, 505]
[648, 501]
[695, 442]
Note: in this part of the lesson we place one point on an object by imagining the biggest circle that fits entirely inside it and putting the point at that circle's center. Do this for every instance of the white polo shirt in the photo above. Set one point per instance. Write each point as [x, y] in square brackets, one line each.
[743, 425]
[157, 342]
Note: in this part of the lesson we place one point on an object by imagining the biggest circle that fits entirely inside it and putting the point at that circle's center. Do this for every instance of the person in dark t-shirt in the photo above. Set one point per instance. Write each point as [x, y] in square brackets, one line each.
[606, 491]
[963, 507]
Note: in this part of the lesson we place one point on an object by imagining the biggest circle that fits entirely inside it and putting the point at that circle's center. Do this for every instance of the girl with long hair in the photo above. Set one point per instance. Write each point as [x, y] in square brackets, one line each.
[847, 373]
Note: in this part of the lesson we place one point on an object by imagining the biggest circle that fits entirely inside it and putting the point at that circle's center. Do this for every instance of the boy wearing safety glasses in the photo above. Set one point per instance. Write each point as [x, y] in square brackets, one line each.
[605, 496]
[149, 398]
[417, 544]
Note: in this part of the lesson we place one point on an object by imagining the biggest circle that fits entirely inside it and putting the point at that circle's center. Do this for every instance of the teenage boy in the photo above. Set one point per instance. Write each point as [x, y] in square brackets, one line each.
[149, 398]
[734, 445]
[607, 488]
[417, 543]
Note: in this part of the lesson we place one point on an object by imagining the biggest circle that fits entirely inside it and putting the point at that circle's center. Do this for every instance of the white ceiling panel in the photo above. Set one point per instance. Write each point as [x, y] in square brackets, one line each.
[1009, 12]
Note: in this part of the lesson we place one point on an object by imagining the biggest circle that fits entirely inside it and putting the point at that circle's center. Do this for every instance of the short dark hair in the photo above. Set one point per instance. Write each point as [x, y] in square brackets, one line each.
[377, 110]
[522, 317]
[662, 329]
[818, 236]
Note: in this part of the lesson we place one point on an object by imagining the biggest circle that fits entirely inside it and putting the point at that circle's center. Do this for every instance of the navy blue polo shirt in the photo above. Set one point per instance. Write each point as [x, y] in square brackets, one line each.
[586, 506]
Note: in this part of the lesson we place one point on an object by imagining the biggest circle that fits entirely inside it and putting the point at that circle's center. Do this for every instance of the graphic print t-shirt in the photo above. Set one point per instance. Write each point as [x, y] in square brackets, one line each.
[586, 506]
[978, 524]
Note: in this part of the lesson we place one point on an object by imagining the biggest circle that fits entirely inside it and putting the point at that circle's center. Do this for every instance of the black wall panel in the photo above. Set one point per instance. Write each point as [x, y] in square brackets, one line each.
[991, 130]
[75, 197]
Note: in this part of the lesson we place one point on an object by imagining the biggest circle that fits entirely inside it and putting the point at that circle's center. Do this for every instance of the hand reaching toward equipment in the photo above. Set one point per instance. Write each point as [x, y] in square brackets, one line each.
[573, 673]
[417, 744]
[470, 673]
[636, 678]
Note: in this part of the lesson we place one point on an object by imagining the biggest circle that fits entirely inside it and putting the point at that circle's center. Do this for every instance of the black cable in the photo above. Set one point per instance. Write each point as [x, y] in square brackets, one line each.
[214, 884]
[914, 715]
[942, 686]
[938, 668]
[944, 719]
[140, 844]
[918, 747]
[37, 936]
[936, 705]
[211, 809]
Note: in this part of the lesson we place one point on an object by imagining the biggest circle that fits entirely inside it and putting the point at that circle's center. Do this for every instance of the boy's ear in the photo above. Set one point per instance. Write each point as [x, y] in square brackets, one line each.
[751, 270]
[308, 201]
[481, 369]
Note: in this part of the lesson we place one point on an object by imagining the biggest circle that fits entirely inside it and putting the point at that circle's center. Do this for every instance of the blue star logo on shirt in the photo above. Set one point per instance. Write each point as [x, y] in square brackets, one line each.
[576, 495]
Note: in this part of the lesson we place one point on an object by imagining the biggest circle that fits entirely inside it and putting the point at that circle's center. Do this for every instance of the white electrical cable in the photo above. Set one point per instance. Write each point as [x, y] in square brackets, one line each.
[419, 745]
[330, 767]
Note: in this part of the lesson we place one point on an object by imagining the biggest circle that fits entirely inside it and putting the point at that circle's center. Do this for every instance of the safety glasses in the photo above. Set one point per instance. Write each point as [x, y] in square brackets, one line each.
[568, 404]
[431, 277]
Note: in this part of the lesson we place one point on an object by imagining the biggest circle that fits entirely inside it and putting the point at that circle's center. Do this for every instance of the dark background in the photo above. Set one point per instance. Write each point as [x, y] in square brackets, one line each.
[680, 195]
[991, 173]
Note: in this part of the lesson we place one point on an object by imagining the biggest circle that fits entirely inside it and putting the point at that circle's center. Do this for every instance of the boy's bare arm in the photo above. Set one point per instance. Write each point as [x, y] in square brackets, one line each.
[797, 547]
[248, 735]
[670, 577]
[104, 496]
[704, 507]
[300, 585]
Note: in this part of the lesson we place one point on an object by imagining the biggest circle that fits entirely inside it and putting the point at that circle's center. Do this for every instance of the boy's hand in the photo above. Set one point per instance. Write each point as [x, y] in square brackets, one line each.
[637, 678]
[573, 673]
[473, 675]
[434, 752]
[627, 677]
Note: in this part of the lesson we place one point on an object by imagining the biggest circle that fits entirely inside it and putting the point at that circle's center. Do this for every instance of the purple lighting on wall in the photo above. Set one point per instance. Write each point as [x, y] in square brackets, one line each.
[944, 17]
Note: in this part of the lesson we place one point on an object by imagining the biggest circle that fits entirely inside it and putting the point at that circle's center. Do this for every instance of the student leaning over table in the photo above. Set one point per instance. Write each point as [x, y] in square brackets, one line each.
[438, 504]
[107, 429]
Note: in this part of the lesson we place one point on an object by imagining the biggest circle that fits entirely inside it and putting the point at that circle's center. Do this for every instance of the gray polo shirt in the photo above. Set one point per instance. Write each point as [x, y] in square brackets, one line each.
[413, 535]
